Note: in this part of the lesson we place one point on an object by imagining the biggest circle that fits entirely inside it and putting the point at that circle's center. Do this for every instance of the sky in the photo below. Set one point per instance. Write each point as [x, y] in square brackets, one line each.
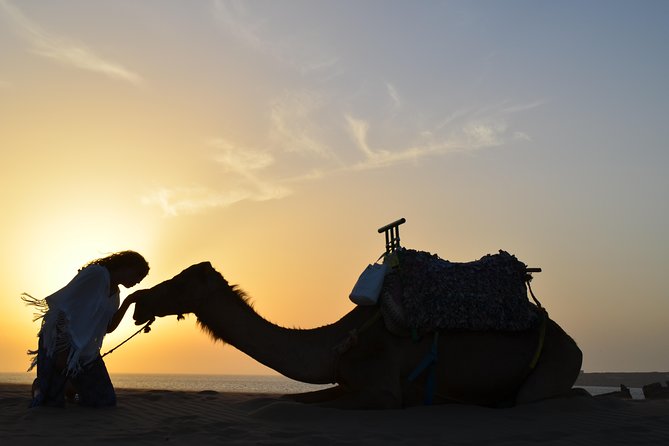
[273, 139]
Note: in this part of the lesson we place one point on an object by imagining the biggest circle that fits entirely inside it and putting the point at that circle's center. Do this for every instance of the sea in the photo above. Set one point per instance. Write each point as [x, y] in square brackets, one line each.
[270, 384]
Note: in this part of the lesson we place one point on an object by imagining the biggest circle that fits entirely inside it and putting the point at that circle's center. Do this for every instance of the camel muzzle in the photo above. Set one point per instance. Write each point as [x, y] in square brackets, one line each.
[142, 312]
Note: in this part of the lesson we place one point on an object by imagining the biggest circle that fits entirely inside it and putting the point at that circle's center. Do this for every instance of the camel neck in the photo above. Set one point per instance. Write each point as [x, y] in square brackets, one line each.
[306, 355]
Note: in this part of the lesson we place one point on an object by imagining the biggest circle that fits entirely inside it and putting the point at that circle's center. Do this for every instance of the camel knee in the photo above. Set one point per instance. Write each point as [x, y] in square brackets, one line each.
[552, 377]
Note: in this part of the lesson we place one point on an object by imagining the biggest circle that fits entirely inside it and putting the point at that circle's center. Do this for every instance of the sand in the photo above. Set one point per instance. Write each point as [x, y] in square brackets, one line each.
[151, 417]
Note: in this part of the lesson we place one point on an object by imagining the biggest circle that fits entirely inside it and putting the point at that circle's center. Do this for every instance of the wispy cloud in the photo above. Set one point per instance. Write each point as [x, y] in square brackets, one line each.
[394, 96]
[246, 163]
[234, 16]
[242, 168]
[190, 200]
[522, 107]
[323, 129]
[324, 63]
[521, 136]
[64, 50]
[248, 171]
[358, 129]
[480, 135]
[291, 123]
[470, 136]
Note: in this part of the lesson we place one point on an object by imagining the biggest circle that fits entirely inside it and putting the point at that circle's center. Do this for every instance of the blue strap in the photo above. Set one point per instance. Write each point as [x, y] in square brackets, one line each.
[431, 382]
[427, 362]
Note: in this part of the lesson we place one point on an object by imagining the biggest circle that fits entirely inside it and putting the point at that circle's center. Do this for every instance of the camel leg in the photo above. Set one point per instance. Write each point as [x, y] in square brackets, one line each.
[370, 379]
[557, 369]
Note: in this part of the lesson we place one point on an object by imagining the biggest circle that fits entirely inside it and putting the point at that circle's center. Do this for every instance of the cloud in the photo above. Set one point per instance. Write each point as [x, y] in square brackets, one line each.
[359, 129]
[325, 63]
[235, 18]
[479, 135]
[394, 96]
[176, 201]
[190, 200]
[239, 160]
[64, 50]
[242, 182]
[291, 124]
[246, 163]
[251, 174]
[522, 107]
[247, 170]
[471, 136]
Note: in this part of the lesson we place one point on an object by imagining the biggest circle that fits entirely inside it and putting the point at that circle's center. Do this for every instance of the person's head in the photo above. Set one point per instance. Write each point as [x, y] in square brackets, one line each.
[126, 268]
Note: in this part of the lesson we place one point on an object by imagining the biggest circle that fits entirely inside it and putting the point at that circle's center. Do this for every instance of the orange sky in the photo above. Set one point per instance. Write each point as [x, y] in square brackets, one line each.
[275, 144]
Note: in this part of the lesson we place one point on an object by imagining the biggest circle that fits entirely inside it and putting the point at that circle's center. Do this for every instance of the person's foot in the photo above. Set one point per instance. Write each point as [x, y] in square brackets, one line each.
[71, 395]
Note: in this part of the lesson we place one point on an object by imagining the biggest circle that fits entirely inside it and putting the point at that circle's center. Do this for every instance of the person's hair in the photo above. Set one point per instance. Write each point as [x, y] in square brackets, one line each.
[130, 259]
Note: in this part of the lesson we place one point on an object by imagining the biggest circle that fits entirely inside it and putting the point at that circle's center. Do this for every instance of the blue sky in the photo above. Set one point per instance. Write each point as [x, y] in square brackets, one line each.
[183, 128]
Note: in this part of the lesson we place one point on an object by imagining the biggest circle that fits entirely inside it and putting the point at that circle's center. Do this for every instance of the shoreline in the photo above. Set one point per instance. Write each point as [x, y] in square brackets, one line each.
[594, 379]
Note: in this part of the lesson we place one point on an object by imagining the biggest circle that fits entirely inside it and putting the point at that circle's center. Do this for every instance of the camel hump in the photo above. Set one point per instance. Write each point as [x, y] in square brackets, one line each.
[427, 293]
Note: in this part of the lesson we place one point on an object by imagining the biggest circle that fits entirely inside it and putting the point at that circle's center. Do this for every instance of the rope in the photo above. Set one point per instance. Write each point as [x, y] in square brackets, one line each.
[529, 287]
[542, 329]
[146, 328]
[540, 343]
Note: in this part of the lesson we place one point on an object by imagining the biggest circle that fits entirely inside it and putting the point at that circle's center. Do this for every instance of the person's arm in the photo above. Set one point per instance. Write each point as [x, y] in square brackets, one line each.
[118, 316]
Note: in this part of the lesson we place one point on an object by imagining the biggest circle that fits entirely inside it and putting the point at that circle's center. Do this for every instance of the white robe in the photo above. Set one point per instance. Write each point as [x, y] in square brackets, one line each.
[82, 310]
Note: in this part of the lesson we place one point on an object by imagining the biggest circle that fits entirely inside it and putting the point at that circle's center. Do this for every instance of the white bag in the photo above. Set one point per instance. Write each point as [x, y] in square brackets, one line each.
[368, 287]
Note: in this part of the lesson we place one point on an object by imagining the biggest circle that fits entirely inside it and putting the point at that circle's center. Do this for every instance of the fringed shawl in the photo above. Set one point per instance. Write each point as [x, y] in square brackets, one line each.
[76, 316]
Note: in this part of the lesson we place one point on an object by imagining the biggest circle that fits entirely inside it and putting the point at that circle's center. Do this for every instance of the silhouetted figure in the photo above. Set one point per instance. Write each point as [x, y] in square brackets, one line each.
[75, 320]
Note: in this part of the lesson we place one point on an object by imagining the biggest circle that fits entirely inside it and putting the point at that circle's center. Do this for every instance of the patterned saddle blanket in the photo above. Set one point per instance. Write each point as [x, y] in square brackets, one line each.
[426, 293]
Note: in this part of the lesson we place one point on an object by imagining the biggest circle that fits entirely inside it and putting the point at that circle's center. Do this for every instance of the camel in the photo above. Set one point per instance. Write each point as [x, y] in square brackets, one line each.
[368, 363]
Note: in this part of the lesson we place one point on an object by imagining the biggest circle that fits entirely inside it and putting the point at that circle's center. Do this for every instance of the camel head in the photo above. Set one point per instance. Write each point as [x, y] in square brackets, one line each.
[184, 293]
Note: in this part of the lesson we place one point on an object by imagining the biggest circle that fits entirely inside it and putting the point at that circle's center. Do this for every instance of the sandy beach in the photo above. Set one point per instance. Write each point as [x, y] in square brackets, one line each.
[149, 417]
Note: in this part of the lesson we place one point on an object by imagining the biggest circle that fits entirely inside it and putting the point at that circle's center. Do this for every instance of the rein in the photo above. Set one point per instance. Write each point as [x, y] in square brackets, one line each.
[146, 328]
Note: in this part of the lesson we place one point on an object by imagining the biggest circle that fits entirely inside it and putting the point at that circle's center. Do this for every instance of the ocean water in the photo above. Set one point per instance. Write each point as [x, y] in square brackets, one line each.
[196, 383]
[219, 383]
[274, 384]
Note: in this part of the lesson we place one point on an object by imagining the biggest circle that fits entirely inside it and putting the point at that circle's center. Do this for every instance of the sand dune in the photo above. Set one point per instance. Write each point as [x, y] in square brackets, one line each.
[149, 417]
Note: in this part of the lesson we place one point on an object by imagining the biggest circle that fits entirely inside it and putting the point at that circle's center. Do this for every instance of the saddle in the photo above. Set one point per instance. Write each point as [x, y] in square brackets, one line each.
[425, 294]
